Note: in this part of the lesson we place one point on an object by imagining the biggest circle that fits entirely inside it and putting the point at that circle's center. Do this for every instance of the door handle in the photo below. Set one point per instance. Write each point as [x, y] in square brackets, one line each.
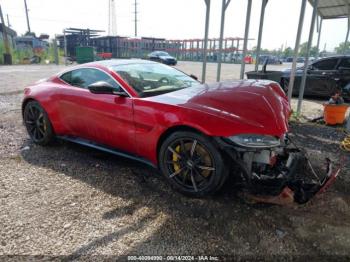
[324, 73]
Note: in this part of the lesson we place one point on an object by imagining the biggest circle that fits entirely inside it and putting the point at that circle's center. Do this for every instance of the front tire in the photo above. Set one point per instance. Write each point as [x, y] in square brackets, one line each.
[37, 123]
[192, 164]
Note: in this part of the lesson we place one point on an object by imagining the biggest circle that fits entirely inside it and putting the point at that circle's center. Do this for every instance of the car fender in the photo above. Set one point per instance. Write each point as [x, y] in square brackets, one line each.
[46, 95]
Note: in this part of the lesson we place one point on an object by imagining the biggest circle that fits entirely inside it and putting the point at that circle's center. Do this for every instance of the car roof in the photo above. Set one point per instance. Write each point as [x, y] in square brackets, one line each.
[334, 56]
[106, 64]
[116, 62]
[329, 57]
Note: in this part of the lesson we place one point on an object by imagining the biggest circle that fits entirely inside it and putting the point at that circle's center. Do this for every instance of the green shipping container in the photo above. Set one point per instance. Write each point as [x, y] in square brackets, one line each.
[85, 54]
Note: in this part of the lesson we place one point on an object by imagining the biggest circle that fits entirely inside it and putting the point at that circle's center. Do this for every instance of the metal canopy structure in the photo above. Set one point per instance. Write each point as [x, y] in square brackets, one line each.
[322, 9]
[331, 9]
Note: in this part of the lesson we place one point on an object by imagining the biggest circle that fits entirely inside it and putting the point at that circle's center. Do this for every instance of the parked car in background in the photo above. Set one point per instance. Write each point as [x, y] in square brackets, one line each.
[271, 60]
[162, 57]
[300, 60]
[289, 59]
[249, 59]
[324, 77]
[311, 59]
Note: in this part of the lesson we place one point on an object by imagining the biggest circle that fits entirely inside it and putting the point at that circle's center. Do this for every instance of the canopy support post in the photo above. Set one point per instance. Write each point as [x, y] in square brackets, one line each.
[225, 4]
[296, 50]
[261, 24]
[205, 47]
[347, 32]
[309, 43]
[319, 30]
[246, 35]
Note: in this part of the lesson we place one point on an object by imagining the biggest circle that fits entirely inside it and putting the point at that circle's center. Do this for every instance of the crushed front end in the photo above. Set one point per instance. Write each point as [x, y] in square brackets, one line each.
[273, 170]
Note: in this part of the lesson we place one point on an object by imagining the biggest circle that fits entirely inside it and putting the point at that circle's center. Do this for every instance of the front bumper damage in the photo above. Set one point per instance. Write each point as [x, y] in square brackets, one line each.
[281, 175]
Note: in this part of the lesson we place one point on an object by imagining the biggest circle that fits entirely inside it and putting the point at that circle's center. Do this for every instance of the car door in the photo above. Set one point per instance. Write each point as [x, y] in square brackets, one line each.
[155, 57]
[103, 118]
[343, 76]
[321, 78]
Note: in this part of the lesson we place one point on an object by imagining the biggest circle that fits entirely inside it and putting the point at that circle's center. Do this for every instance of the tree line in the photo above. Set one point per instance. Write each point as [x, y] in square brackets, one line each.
[289, 52]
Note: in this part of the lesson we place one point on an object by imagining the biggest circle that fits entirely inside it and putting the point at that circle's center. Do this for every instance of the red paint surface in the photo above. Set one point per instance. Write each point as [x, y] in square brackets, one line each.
[136, 124]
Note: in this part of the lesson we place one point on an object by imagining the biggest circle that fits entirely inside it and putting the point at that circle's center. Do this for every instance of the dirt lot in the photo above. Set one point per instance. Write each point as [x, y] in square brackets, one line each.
[67, 200]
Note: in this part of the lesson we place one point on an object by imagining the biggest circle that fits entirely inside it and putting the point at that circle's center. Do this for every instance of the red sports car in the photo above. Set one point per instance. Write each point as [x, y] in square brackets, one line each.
[196, 134]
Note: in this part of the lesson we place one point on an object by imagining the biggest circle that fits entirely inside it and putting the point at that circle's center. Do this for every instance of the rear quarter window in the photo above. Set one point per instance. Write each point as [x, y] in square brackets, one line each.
[326, 64]
[67, 77]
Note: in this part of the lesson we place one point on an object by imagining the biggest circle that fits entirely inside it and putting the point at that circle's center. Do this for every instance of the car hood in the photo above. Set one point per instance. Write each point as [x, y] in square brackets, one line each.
[257, 106]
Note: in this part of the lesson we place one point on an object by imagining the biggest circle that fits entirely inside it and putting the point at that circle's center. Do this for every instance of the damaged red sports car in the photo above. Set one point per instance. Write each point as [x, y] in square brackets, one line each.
[196, 134]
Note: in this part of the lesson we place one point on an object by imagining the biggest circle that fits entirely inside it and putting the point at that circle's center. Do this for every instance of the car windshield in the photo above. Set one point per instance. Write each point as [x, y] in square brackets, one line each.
[162, 53]
[153, 79]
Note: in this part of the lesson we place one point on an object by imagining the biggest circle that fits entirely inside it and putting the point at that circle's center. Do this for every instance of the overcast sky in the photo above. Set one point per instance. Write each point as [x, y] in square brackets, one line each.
[173, 19]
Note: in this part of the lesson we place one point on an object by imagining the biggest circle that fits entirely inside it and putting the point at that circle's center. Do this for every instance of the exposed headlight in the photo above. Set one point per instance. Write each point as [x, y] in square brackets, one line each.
[252, 140]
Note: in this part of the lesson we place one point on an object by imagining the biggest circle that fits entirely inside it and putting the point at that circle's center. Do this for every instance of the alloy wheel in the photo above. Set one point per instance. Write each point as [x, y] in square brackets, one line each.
[190, 164]
[35, 122]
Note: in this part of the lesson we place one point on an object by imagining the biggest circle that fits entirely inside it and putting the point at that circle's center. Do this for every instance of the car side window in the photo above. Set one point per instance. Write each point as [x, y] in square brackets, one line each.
[345, 63]
[326, 64]
[66, 77]
[87, 76]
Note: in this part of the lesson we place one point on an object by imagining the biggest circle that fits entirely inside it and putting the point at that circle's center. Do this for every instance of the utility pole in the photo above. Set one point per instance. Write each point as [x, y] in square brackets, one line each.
[135, 13]
[26, 9]
[7, 54]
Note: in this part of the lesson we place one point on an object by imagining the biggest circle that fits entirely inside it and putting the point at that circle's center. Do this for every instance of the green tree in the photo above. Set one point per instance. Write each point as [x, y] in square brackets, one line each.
[342, 49]
[303, 50]
[288, 52]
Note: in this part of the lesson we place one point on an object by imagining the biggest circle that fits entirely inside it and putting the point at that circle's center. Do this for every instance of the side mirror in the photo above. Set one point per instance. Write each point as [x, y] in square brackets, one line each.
[102, 87]
[194, 77]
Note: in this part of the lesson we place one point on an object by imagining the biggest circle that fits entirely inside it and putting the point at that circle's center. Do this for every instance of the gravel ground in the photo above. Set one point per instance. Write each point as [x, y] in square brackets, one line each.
[68, 200]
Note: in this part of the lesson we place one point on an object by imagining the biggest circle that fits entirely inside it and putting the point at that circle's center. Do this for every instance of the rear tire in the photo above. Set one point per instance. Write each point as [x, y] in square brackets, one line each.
[38, 124]
[192, 164]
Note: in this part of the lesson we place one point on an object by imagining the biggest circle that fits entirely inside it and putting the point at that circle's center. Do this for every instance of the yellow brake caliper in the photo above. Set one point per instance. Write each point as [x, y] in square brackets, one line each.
[175, 159]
